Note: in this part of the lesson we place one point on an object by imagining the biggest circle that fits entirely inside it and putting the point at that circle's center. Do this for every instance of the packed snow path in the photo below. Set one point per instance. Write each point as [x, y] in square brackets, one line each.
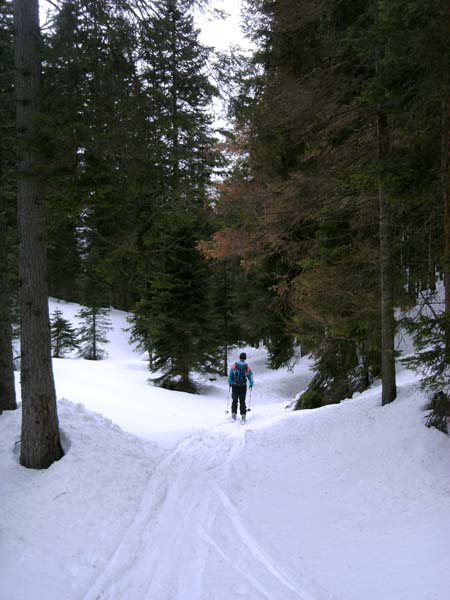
[347, 502]
[187, 527]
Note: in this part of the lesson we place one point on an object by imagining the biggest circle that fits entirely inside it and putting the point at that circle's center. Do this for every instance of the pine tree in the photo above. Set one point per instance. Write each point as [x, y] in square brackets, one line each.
[40, 441]
[92, 333]
[62, 333]
[173, 276]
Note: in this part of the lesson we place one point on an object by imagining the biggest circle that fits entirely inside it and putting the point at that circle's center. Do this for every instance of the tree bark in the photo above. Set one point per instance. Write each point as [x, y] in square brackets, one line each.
[174, 97]
[40, 430]
[94, 333]
[7, 386]
[225, 360]
[445, 194]
[388, 378]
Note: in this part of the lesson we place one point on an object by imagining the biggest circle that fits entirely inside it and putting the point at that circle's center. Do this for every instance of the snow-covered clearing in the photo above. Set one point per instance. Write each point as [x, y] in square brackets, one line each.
[159, 497]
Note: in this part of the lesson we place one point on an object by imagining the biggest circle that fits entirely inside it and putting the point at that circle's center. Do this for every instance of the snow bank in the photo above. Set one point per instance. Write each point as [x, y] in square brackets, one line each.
[60, 525]
[354, 497]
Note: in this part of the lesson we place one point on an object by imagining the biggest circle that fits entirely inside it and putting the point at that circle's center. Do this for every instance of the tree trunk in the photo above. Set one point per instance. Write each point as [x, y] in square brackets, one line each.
[94, 333]
[389, 387]
[174, 98]
[225, 360]
[445, 193]
[40, 430]
[7, 387]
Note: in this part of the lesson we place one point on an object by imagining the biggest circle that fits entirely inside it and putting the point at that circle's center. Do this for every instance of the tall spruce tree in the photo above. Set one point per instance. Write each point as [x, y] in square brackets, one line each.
[173, 275]
[40, 440]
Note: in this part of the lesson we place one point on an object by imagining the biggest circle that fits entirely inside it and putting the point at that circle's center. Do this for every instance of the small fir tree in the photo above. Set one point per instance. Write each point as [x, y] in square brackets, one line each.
[63, 335]
[93, 331]
[432, 362]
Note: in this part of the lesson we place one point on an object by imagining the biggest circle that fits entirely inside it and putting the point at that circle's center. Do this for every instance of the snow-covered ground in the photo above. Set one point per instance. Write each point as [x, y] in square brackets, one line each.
[159, 497]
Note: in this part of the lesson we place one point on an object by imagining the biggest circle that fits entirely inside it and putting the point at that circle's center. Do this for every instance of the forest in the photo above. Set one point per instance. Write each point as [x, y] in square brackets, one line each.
[313, 222]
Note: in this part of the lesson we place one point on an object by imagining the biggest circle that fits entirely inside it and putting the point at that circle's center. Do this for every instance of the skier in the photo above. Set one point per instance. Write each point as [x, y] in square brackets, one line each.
[237, 380]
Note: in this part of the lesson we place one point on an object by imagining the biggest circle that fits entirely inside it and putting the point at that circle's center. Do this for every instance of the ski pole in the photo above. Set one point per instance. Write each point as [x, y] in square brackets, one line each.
[250, 399]
[228, 399]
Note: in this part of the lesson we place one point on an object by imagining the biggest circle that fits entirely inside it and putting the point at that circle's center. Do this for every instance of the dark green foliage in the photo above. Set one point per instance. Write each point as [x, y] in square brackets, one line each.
[97, 111]
[92, 333]
[440, 412]
[102, 138]
[174, 312]
[432, 362]
[340, 371]
[173, 279]
[63, 334]
[308, 400]
[129, 101]
[432, 357]
[227, 319]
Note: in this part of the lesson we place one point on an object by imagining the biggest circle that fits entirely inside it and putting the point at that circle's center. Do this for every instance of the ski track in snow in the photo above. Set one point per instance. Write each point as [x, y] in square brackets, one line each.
[156, 560]
[152, 550]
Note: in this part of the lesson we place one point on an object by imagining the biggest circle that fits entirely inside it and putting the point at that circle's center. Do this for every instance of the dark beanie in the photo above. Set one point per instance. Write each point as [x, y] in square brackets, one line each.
[242, 356]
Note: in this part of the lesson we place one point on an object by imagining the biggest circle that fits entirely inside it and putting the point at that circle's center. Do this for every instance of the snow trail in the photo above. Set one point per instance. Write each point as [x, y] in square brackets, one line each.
[167, 533]
[165, 553]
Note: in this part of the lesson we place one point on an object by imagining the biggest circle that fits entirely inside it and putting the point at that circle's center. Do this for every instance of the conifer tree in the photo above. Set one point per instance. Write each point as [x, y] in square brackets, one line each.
[62, 333]
[173, 276]
[40, 441]
[336, 80]
[97, 113]
[92, 333]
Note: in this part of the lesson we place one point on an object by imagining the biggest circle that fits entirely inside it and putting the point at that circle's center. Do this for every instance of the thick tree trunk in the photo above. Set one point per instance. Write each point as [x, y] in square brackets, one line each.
[389, 387]
[7, 387]
[40, 431]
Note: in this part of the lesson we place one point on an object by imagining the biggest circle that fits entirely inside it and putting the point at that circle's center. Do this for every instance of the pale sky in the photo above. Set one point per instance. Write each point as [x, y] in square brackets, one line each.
[223, 33]
[220, 33]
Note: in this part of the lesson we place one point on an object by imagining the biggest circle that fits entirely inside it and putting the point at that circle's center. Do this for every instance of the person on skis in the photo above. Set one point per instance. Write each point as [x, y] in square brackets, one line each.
[239, 373]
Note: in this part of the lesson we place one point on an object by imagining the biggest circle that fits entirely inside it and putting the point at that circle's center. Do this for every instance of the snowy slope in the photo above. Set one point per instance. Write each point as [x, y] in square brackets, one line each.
[349, 502]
